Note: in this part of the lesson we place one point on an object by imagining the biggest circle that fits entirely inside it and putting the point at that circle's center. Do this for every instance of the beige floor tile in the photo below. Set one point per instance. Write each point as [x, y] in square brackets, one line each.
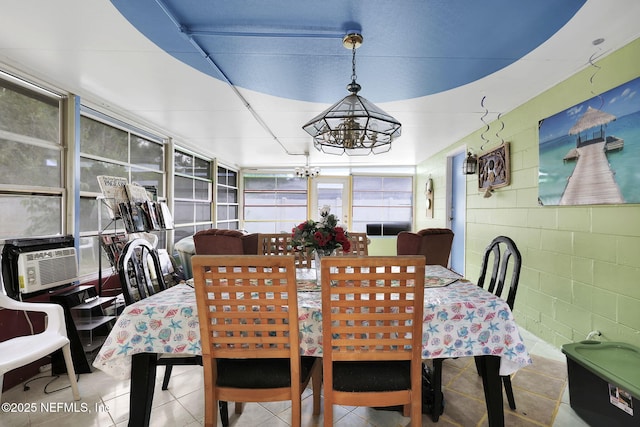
[183, 403]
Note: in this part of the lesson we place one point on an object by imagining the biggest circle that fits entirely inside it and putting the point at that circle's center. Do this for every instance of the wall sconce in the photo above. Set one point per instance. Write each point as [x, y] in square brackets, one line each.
[470, 164]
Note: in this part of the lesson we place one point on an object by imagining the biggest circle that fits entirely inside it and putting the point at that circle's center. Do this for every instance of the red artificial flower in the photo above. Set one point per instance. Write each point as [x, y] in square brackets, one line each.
[323, 234]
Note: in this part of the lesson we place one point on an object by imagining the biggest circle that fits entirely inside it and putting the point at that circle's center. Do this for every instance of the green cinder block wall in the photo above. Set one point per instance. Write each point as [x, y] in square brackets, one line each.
[581, 264]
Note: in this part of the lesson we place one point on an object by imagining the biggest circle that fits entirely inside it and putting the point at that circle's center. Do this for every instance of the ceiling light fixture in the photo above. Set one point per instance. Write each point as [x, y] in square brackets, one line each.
[353, 125]
[307, 171]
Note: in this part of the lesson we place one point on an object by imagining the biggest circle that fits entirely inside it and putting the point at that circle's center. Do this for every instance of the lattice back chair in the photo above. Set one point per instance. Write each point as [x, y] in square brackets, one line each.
[135, 265]
[248, 315]
[280, 244]
[275, 244]
[372, 333]
[359, 245]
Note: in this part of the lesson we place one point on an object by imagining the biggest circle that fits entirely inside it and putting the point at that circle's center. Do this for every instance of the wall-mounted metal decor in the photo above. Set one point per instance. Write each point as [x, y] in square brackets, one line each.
[589, 153]
[494, 170]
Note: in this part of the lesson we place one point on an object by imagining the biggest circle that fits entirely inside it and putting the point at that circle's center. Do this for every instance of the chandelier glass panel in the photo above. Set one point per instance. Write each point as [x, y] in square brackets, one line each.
[353, 125]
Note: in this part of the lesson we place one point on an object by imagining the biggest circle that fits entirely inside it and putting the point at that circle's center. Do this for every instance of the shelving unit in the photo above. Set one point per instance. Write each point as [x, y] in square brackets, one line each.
[89, 319]
[114, 231]
[132, 206]
[87, 322]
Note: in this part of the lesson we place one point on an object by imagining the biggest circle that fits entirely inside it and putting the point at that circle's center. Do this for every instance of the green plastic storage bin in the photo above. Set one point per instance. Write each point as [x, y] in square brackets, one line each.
[604, 382]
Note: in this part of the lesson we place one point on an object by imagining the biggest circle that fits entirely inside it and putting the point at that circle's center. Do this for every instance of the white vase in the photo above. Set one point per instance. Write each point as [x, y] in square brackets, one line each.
[318, 254]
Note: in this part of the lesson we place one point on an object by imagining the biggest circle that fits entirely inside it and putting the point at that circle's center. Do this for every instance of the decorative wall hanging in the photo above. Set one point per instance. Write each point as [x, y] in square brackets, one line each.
[589, 153]
[428, 192]
[494, 169]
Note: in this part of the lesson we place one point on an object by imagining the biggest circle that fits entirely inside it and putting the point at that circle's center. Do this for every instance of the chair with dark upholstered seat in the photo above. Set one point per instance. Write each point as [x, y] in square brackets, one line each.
[251, 348]
[135, 264]
[215, 241]
[503, 260]
[433, 243]
[372, 333]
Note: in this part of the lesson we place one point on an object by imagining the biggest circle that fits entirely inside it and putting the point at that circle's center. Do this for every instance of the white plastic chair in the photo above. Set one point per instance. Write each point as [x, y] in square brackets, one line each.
[20, 351]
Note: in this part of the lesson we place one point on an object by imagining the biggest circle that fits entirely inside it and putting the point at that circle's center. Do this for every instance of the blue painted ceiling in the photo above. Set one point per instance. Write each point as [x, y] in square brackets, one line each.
[293, 49]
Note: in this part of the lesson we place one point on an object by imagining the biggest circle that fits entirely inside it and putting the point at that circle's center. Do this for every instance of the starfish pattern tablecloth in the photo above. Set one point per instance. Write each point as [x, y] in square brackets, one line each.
[460, 319]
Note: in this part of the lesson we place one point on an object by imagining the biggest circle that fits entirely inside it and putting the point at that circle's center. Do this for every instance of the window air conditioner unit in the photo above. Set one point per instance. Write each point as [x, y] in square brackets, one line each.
[46, 269]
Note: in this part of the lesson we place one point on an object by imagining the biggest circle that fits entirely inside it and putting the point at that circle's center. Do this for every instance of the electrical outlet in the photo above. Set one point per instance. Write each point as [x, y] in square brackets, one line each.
[45, 368]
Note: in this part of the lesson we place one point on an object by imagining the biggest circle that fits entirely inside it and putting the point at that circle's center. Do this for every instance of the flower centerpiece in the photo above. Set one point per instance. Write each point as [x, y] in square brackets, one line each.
[323, 236]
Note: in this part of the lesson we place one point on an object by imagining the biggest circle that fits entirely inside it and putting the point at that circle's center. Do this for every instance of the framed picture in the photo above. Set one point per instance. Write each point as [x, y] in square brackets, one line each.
[493, 168]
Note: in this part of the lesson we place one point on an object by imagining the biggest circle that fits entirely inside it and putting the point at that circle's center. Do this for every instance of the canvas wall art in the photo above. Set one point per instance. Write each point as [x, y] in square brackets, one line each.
[590, 153]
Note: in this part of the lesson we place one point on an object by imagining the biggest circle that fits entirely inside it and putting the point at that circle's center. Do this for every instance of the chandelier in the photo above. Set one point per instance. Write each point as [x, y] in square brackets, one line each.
[353, 125]
[307, 171]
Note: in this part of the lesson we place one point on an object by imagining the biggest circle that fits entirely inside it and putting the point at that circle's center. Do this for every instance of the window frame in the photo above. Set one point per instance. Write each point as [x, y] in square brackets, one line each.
[103, 223]
[27, 190]
[184, 229]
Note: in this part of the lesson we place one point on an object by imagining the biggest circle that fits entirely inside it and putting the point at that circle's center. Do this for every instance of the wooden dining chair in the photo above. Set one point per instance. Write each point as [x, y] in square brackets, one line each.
[274, 244]
[248, 316]
[503, 261]
[372, 333]
[216, 241]
[280, 244]
[359, 245]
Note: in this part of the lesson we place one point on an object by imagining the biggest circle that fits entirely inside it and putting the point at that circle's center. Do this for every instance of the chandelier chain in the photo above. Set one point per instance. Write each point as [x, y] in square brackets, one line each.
[353, 61]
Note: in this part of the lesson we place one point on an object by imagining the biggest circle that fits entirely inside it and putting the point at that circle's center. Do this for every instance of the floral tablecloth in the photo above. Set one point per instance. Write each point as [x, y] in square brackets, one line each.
[460, 319]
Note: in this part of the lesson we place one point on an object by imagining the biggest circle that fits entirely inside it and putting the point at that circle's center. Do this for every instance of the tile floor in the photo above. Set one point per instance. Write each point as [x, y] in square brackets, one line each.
[105, 402]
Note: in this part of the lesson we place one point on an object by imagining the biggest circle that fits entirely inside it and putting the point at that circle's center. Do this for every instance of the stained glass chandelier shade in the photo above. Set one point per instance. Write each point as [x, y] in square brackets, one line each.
[353, 125]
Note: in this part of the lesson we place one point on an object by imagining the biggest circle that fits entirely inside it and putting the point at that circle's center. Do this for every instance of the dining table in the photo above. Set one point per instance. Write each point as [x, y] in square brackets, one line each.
[460, 320]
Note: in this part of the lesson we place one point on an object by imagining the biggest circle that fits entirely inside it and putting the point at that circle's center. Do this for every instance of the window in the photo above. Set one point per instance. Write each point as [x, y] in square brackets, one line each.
[192, 194]
[227, 215]
[385, 201]
[274, 203]
[31, 160]
[109, 147]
